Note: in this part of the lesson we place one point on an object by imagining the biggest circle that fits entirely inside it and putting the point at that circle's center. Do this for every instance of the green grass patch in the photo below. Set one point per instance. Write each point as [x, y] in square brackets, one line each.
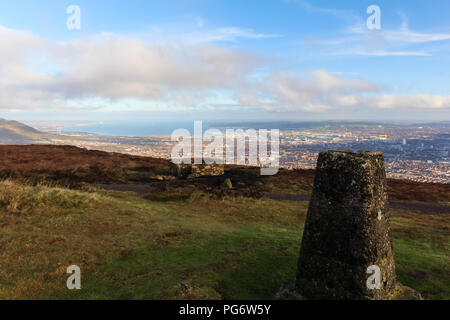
[134, 247]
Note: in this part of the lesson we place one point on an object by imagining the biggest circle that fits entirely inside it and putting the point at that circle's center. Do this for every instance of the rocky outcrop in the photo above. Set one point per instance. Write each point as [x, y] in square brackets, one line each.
[196, 170]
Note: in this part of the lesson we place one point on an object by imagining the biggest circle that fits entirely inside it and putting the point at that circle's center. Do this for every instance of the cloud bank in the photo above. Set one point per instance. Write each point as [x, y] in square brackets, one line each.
[36, 74]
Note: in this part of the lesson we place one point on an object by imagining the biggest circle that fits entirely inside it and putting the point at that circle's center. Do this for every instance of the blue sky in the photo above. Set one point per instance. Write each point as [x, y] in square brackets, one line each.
[248, 60]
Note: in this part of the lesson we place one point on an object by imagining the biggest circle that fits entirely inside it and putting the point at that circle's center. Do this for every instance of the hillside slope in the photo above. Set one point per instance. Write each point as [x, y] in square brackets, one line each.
[14, 132]
[131, 246]
[71, 166]
[176, 238]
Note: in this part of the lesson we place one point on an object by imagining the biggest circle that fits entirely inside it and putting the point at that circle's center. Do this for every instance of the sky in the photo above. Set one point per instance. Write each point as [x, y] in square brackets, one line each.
[253, 60]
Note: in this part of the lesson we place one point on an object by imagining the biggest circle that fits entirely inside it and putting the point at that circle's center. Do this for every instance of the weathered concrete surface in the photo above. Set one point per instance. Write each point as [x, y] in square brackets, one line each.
[347, 229]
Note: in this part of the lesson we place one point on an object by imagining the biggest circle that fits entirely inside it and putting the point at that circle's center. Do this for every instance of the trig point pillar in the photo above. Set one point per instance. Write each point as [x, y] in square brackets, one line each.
[346, 251]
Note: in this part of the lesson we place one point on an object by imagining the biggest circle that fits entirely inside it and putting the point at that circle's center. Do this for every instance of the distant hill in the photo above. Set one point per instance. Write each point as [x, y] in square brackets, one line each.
[14, 132]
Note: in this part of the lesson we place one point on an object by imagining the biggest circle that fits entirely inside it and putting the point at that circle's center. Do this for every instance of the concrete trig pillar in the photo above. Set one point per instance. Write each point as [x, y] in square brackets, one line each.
[346, 251]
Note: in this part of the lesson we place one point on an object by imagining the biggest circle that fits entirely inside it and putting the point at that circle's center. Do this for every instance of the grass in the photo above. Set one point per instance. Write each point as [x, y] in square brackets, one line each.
[422, 248]
[197, 247]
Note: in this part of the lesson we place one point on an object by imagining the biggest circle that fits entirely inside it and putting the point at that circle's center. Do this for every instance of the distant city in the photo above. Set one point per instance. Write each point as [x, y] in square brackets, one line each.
[418, 152]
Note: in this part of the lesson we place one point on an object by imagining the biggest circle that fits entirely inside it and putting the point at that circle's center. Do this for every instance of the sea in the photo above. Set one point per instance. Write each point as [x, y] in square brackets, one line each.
[166, 127]
[136, 128]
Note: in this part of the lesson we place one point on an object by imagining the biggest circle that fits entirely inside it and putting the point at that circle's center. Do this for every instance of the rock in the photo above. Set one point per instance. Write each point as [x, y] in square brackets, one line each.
[405, 293]
[175, 169]
[227, 183]
[347, 230]
[196, 170]
[288, 291]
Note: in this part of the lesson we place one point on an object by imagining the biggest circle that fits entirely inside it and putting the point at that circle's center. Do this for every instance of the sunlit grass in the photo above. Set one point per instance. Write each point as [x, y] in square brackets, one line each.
[196, 247]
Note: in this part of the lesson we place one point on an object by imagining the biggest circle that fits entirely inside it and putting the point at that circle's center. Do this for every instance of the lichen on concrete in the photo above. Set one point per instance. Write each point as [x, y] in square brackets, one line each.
[347, 229]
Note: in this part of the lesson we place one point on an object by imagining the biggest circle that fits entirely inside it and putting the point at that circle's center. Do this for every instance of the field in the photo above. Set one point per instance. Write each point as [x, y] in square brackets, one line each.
[179, 241]
[72, 166]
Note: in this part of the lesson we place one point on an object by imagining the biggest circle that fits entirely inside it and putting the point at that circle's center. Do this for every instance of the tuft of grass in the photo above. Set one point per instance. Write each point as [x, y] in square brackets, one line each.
[16, 198]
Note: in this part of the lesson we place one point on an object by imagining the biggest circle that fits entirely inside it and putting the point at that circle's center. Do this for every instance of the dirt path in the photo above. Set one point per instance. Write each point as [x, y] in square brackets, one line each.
[138, 188]
[431, 208]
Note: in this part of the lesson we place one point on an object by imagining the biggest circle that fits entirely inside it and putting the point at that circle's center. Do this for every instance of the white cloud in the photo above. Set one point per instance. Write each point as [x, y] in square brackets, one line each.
[227, 34]
[398, 102]
[338, 13]
[314, 90]
[116, 67]
[406, 102]
[394, 53]
[249, 99]
[402, 37]
[357, 39]
[111, 67]
[322, 92]
[405, 35]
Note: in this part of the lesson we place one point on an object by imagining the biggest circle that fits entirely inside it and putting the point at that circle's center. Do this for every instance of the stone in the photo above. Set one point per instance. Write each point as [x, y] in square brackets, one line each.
[288, 291]
[227, 184]
[175, 169]
[196, 170]
[347, 230]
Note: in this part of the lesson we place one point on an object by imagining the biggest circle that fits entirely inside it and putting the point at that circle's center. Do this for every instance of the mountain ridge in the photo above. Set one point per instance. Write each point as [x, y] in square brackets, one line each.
[15, 132]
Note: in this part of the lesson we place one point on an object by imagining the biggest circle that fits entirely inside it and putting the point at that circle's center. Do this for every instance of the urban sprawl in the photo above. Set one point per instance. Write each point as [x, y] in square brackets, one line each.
[419, 153]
